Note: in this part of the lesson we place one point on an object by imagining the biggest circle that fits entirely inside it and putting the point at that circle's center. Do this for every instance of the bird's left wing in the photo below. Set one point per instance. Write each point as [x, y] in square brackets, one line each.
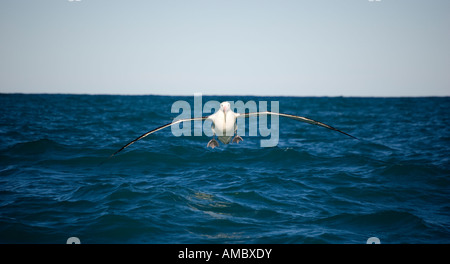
[299, 118]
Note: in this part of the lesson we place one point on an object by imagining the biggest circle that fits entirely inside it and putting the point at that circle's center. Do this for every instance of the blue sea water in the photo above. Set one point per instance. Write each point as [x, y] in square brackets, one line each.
[315, 186]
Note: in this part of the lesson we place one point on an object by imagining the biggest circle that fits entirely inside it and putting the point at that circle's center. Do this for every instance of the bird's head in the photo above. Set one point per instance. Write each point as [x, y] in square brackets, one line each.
[225, 106]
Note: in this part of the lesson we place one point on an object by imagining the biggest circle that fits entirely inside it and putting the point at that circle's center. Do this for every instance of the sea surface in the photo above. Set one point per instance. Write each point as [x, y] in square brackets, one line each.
[315, 186]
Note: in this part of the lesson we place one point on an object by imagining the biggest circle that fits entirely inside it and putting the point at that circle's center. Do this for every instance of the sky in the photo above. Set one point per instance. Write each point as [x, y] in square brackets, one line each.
[234, 47]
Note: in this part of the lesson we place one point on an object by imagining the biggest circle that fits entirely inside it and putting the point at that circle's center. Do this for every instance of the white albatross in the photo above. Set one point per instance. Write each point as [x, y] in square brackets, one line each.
[225, 127]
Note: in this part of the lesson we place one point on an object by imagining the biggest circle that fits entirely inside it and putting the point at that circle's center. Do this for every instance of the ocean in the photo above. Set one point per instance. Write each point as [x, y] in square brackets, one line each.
[315, 186]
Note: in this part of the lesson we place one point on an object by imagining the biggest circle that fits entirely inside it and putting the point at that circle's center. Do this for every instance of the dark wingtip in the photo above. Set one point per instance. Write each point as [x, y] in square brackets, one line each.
[348, 135]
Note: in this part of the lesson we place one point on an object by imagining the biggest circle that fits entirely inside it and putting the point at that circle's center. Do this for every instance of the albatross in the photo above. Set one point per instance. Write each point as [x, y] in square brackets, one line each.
[225, 127]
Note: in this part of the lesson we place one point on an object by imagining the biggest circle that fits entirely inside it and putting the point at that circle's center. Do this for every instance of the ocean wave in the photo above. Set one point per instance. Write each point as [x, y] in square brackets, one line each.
[35, 147]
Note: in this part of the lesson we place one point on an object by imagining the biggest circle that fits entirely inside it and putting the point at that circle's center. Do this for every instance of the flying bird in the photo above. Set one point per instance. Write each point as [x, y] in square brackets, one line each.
[225, 127]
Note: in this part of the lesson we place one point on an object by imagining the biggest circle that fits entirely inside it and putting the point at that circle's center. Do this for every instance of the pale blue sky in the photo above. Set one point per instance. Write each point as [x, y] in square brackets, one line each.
[245, 47]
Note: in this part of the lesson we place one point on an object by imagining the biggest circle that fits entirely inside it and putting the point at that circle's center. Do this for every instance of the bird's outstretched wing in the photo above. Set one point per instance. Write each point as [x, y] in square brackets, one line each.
[298, 118]
[157, 129]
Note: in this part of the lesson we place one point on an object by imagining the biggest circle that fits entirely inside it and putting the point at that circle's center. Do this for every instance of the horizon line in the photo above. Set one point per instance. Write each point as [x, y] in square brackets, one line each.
[224, 95]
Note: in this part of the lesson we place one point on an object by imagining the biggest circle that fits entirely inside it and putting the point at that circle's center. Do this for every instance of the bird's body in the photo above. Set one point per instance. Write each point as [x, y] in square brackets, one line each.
[224, 125]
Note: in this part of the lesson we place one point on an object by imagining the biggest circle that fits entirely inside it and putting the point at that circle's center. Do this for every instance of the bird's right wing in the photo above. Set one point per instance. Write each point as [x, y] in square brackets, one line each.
[157, 129]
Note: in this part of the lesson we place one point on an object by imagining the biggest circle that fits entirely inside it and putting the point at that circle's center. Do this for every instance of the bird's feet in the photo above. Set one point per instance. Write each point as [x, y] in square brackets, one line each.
[212, 143]
[237, 139]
